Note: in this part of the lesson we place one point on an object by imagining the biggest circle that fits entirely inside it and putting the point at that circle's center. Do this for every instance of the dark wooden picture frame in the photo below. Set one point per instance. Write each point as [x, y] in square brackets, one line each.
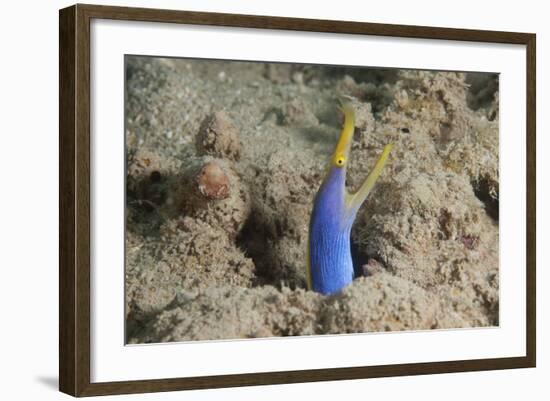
[74, 203]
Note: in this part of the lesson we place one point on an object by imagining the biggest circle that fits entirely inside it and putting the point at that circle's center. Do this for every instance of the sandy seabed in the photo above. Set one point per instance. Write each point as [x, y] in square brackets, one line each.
[224, 159]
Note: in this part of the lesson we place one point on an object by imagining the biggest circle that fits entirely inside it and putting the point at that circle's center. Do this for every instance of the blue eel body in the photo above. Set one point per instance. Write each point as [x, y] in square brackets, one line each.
[330, 228]
[330, 266]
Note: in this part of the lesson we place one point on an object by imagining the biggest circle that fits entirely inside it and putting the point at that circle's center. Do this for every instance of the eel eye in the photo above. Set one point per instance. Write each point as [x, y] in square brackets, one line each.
[340, 161]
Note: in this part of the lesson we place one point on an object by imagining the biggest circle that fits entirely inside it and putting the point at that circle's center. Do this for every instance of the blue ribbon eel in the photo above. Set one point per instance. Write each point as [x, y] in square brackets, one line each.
[330, 266]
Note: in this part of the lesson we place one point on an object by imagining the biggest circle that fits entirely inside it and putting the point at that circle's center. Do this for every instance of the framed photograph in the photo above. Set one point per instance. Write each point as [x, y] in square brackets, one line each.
[250, 200]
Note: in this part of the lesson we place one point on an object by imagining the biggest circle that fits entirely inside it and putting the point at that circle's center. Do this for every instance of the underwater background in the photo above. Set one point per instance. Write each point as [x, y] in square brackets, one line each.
[224, 159]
